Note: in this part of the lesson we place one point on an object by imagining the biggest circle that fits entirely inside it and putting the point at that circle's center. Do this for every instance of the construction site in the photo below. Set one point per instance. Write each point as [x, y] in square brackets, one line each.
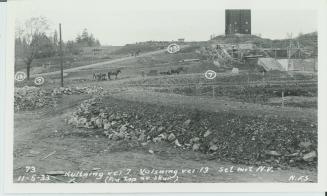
[294, 57]
[239, 48]
[149, 106]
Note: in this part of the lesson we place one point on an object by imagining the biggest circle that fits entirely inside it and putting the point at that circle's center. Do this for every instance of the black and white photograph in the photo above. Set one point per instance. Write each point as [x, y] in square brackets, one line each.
[120, 92]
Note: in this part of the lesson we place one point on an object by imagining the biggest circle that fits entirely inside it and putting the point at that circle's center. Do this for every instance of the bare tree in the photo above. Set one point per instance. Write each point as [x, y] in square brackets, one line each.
[30, 36]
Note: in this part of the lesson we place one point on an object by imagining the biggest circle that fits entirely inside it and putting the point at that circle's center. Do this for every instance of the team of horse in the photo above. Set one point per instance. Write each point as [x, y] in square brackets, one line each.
[173, 71]
[106, 76]
[136, 53]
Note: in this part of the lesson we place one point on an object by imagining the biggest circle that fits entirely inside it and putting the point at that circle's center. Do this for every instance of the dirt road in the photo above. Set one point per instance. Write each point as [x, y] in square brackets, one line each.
[104, 63]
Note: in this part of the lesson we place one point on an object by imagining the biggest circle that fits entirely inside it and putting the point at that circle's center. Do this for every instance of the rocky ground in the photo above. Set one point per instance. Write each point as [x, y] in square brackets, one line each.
[223, 135]
[88, 129]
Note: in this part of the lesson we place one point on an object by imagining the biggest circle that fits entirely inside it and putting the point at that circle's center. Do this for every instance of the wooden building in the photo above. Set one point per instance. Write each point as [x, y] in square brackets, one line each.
[237, 21]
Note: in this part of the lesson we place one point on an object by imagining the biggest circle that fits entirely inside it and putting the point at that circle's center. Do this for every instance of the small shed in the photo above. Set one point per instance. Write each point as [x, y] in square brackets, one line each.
[181, 40]
[235, 70]
[153, 72]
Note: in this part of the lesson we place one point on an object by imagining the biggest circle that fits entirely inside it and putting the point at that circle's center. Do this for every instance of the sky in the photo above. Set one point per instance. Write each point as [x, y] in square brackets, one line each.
[118, 22]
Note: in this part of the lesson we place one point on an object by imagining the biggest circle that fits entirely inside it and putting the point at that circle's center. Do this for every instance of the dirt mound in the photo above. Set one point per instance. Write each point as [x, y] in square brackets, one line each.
[240, 139]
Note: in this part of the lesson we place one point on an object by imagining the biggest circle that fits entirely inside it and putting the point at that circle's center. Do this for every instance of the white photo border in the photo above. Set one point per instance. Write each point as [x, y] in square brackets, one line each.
[320, 186]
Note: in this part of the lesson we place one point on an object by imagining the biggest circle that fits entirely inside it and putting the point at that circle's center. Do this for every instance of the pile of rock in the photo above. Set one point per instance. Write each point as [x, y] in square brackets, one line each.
[62, 91]
[29, 98]
[249, 140]
[77, 90]
[79, 117]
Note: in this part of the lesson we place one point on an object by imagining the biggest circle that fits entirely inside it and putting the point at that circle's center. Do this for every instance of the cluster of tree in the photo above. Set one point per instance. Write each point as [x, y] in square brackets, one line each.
[83, 40]
[86, 39]
[40, 46]
[34, 40]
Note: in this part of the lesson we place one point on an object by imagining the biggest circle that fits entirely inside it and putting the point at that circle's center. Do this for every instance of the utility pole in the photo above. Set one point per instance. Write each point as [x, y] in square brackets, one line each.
[289, 51]
[61, 57]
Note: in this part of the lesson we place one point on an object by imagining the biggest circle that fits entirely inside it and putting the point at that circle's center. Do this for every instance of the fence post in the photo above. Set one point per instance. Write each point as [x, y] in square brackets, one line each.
[248, 77]
[61, 58]
[282, 99]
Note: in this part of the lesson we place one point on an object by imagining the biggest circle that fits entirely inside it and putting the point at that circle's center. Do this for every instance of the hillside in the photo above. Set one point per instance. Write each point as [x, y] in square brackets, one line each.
[308, 40]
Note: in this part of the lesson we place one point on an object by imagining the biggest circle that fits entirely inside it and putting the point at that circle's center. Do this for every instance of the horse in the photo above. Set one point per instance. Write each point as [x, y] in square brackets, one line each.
[178, 70]
[113, 73]
[95, 75]
[103, 76]
[165, 73]
[99, 76]
[137, 53]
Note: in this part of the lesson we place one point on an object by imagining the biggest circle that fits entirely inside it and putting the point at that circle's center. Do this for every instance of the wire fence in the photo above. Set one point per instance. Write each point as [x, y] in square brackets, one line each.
[249, 83]
[251, 91]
